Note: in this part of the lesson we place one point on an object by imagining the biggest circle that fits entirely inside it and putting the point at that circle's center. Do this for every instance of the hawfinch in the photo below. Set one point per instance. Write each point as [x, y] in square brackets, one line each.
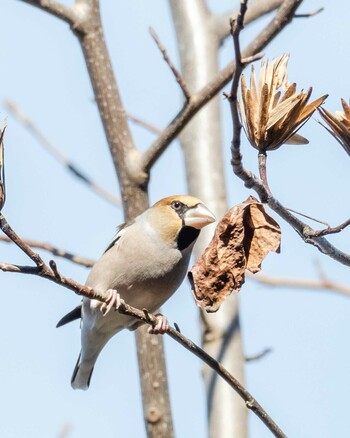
[145, 263]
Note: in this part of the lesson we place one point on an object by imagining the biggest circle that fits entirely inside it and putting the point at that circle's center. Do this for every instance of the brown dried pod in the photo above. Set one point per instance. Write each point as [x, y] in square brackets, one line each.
[338, 125]
[241, 241]
[272, 110]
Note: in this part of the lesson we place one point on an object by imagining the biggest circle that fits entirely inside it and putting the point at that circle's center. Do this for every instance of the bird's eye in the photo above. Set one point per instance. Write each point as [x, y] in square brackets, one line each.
[176, 205]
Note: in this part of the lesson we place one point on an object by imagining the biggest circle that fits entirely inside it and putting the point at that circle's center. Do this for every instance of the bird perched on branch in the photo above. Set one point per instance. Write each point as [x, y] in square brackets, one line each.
[145, 263]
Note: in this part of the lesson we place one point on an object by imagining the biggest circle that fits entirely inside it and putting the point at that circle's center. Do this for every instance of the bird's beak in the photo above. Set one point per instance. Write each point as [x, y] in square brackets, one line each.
[198, 217]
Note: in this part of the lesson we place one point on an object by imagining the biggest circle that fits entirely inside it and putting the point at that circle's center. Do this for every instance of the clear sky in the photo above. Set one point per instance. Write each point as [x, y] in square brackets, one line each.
[304, 383]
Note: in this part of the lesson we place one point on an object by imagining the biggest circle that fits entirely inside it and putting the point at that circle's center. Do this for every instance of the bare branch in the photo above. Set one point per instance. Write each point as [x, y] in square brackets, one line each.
[198, 100]
[251, 181]
[133, 183]
[309, 217]
[253, 58]
[256, 10]
[149, 126]
[258, 356]
[330, 230]
[88, 263]
[51, 273]
[57, 154]
[63, 12]
[297, 283]
[20, 243]
[176, 73]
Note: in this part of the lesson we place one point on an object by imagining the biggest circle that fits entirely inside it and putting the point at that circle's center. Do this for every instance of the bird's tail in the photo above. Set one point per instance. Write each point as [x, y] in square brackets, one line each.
[82, 374]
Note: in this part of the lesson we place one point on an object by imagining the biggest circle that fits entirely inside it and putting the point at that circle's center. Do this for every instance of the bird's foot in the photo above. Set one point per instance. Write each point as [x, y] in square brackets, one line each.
[161, 325]
[114, 301]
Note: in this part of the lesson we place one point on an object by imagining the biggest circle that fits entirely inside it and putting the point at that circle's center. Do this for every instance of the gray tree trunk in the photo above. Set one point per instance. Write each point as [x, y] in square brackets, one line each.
[198, 46]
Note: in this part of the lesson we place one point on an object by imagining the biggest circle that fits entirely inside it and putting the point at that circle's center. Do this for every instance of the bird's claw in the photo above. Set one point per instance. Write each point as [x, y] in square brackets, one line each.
[113, 301]
[161, 325]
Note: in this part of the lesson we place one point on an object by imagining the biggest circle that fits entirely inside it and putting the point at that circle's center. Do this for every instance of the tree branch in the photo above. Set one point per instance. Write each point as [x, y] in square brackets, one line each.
[58, 155]
[257, 9]
[51, 273]
[149, 126]
[179, 79]
[258, 356]
[63, 12]
[323, 283]
[79, 260]
[199, 99]
[330, 230]
[133, 183]
[252, 181]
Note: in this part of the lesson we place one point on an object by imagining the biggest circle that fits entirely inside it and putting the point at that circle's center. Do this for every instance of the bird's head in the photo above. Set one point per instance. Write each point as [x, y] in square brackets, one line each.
[179, 219]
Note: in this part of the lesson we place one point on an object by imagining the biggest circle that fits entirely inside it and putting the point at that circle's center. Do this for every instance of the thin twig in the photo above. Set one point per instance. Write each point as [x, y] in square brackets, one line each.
[149, 126]
[221, 23]
[322, 284]
[79, 260]
[283, 16]
[236, 159]
[54, 269]
[51, 273]
[329, 230]
[57, 154]
[309, 14]
[258, 356]
[308, 217]
[179, 79]
[236, 27]
[252, 181]
[19, 242]
[253, 58]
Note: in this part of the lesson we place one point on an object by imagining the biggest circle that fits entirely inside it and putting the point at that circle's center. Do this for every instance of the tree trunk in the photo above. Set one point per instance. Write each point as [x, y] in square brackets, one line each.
[201, 141]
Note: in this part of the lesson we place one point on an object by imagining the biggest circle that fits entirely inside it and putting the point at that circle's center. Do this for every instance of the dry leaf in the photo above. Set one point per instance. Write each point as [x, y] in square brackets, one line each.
[241, 241]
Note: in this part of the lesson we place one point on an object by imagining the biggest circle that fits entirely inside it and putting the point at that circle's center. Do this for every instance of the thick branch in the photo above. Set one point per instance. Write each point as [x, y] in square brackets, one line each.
[199, 99]
[55, 8]
[133, 183]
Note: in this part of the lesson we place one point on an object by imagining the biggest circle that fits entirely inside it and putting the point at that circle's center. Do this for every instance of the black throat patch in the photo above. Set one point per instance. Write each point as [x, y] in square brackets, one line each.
[186, 236]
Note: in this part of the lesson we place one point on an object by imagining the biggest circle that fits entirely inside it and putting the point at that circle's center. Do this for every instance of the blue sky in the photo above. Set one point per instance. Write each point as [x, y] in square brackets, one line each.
[304, 382]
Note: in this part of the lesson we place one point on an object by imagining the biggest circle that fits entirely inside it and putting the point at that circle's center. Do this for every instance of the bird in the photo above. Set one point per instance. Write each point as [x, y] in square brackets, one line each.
[144, 265]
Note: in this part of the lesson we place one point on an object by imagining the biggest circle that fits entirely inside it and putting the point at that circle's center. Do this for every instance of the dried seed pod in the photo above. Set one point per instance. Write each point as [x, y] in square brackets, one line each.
[271, 117]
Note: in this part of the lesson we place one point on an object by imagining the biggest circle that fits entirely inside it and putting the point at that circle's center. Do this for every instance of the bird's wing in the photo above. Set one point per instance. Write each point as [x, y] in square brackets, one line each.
[117, 236]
